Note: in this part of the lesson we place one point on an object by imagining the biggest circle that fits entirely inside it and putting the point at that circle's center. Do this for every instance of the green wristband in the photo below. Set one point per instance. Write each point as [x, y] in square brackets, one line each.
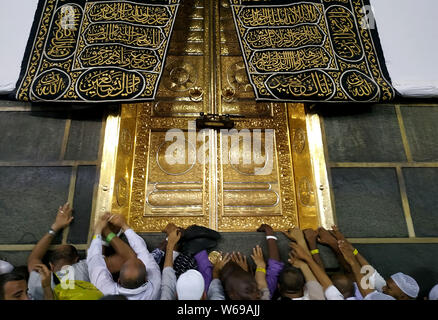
[110, 237]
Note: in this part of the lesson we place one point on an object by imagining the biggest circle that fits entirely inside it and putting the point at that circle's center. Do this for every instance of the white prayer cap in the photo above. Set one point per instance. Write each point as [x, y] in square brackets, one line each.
[406, 284]
[190, 285]
[5, 267]
[433, 294]
[376, 295]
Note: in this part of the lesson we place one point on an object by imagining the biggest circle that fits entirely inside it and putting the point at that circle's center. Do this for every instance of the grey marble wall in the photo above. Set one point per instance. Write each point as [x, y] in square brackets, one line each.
[368, 195]
[35, 178]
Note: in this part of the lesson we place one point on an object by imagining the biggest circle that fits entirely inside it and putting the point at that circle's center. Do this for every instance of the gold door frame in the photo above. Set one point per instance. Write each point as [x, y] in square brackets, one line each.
[312, 202]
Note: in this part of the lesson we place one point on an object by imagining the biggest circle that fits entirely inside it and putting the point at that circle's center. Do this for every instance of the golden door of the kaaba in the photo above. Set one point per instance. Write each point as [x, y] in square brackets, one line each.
[204, 72]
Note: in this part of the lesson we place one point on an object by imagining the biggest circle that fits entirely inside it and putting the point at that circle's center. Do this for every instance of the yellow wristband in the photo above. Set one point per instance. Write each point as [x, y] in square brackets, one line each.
[110, 237]
[316, 251]
[261, 270]
[355, 252]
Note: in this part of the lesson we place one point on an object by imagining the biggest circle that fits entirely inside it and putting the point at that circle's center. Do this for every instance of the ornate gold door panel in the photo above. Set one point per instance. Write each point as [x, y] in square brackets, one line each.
[214, 183]
[218, 187]
[150, 189]
[246, 199]
[260, 190]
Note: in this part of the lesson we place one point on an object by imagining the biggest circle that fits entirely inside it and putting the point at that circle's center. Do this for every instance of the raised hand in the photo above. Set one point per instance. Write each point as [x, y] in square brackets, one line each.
[45, 274]
[170, 228]
[260, 274]
[267, 229]
[220, 264]
[257, 256]
[63, 217]
[299, 252]
[336, 233]
[325, 237]
[101, 223]
[119, 221]
[295, 234]
[240, 259]
[294, 261]
[347, 251]
[173, 238]
[311, 237]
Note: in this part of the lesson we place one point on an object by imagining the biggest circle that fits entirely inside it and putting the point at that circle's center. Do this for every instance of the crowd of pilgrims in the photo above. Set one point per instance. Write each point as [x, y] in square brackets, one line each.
[186, 266]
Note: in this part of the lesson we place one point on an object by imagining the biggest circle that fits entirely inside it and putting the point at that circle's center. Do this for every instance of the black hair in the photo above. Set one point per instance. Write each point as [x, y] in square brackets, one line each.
[67, 253]
[245, 288]
[291, 280]
[238, 284]
[7, 277]
[23, 271]
[344, 284]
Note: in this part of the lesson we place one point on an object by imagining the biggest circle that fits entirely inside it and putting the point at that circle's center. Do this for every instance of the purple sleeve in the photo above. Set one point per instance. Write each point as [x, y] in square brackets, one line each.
[272, 273]
[204, 267]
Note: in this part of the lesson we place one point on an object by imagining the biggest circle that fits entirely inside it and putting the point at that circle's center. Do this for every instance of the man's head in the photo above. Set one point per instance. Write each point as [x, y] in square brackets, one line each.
[63, 256]
[344, 284]
[401, 287]
[13, 286]
[190, 286]
[291, 282]
[132, 274]
[239, 284]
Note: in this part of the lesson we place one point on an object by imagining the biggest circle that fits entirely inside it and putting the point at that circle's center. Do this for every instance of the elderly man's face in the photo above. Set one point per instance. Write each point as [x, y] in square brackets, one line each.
[16, 290]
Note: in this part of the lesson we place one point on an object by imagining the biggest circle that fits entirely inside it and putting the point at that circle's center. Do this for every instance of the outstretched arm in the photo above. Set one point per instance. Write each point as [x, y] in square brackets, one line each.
[62, 220]
[330, 238]
[240, 260]
[216, 290]
[46, 280]
[347, 251]
[260, 274]
[311, 238]
[168, 278]
[376, 280]
[296, 235]
[98, 271]
[319, 273]
[275, 266]
[302, 265]
[220, 264]
[271, 241]
[172, 241]
[123, 252]
[313, 287]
